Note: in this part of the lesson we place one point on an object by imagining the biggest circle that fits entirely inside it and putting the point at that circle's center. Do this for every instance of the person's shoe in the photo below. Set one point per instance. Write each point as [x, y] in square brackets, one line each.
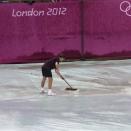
[43, 91]
[50, 93]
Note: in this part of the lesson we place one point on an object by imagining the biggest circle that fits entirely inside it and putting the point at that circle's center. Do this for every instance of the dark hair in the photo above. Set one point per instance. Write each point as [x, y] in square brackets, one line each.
[61, 55]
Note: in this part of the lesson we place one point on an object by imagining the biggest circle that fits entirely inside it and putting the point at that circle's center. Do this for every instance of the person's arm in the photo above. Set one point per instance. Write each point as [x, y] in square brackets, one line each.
[57, 70]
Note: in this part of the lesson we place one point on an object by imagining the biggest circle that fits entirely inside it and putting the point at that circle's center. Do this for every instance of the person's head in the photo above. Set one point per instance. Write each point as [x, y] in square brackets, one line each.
[61, 57]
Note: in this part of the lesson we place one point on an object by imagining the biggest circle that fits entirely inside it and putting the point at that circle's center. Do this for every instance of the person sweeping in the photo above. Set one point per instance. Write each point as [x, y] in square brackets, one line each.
[47, 74]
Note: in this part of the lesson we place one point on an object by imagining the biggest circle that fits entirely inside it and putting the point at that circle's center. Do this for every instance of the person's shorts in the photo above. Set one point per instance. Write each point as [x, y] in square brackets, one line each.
[46, 72]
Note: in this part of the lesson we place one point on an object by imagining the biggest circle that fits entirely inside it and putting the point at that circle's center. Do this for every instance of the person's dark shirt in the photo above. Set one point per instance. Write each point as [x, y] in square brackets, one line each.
[50, 64]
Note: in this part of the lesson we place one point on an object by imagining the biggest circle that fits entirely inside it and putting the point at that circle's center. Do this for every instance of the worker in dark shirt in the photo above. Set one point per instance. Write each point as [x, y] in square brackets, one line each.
[46, 72]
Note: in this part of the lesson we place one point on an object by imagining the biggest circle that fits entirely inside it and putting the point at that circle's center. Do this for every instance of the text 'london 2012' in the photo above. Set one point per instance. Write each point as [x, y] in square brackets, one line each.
[33, 12]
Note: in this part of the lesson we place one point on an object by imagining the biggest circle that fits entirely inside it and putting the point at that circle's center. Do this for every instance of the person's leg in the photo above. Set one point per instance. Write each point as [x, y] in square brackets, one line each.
[43, 82]
[50, 81]
[44, 74]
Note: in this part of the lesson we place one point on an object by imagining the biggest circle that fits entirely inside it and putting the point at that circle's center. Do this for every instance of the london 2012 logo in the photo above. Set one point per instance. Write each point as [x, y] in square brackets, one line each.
[125, 6]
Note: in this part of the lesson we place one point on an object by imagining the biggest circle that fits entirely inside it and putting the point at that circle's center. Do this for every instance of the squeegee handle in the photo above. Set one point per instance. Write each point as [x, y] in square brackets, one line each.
[67, 83]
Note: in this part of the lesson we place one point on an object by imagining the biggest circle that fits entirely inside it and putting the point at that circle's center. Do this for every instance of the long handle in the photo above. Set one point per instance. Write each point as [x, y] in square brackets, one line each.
[67, 83]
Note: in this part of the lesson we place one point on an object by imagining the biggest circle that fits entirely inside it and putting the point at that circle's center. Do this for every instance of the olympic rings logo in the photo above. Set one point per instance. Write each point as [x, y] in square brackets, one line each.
[125, 6]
